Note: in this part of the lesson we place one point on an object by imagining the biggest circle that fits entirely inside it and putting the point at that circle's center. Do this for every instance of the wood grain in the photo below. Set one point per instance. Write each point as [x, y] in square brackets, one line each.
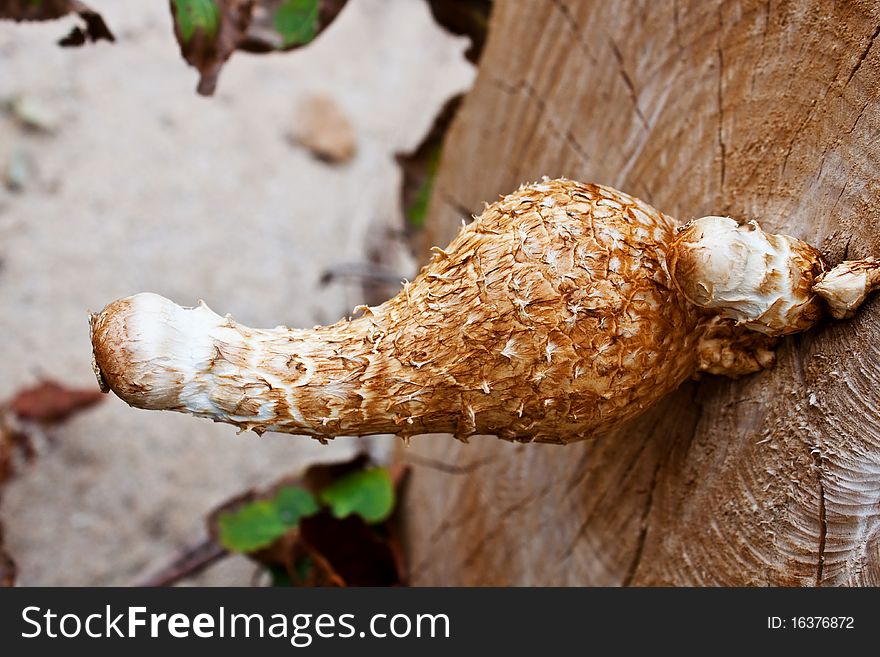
[759, 110]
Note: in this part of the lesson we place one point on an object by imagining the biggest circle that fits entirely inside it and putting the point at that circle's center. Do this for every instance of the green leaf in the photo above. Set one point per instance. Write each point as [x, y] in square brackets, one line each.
[260, 523]
[294, 503]
[415, 213]
[196, 15]
[297, 21]
[369, 493]
[252, 527]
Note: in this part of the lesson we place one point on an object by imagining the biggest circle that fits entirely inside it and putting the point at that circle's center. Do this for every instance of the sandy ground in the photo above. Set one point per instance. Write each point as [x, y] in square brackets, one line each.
[146, 186]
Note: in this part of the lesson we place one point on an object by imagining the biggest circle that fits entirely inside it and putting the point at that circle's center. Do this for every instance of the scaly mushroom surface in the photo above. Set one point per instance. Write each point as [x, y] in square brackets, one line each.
[560, 313]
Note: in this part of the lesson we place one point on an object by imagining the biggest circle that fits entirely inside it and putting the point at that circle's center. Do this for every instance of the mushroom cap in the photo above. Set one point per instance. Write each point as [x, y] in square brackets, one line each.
[146, 348]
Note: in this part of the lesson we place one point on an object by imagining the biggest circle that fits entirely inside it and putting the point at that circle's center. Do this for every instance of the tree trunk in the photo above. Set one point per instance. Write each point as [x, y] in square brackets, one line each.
[758, 110]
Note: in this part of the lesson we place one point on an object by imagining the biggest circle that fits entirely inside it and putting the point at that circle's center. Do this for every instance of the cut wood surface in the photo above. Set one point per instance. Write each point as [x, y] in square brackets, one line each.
[759, 110]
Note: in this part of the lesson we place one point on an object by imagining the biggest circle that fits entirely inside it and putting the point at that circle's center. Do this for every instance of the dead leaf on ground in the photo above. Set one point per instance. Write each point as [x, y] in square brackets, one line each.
[360, 554]
[7, 569]
[12, 441]
[7, 451]
[7, 565]
[209, 31]
[95, 28]
[292, 562]
[50, 401]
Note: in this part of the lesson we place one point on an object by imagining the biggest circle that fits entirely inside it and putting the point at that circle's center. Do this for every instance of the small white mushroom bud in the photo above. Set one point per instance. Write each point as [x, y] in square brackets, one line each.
[845, 287]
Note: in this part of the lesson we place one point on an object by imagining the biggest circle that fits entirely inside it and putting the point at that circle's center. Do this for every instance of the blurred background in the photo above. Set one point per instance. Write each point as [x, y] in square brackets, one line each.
[116, 178]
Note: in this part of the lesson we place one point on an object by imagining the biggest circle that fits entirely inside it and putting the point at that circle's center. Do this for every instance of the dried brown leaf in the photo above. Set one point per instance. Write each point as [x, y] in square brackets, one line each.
[50, 402]
[12, 439]
[6, 451]
[359, 553]
[7, 565]
[46, 402]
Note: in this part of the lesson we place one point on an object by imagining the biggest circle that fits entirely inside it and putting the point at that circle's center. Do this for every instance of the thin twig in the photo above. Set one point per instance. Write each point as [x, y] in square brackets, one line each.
[190, 561]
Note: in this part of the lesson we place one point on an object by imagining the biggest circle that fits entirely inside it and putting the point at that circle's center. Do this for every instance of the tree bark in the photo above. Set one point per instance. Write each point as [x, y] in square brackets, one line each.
[758, 110]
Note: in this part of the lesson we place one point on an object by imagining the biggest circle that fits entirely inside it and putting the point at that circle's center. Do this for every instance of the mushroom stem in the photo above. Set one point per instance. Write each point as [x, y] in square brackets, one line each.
[323, 382]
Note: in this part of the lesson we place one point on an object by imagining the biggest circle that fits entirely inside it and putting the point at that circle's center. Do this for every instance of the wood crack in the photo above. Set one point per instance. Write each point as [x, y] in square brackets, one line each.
[490, 536]
[817, 454]
[697, 401]
[446, 468]
[643, 532]
[858, 118]
[821, 103]
[627, 81]
[575, 27]
[834, 207]
[563, 134]
[676, 27]
[582, 528]
[581, 470]
[763, 45]
[863, 56]
[823, 531]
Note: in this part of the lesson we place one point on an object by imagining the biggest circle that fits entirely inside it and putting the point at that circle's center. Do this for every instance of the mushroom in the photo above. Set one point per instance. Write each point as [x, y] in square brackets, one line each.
[563, 311]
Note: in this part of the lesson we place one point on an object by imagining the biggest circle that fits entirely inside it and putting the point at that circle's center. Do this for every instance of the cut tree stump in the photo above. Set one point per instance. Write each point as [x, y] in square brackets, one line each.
[758, 110]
